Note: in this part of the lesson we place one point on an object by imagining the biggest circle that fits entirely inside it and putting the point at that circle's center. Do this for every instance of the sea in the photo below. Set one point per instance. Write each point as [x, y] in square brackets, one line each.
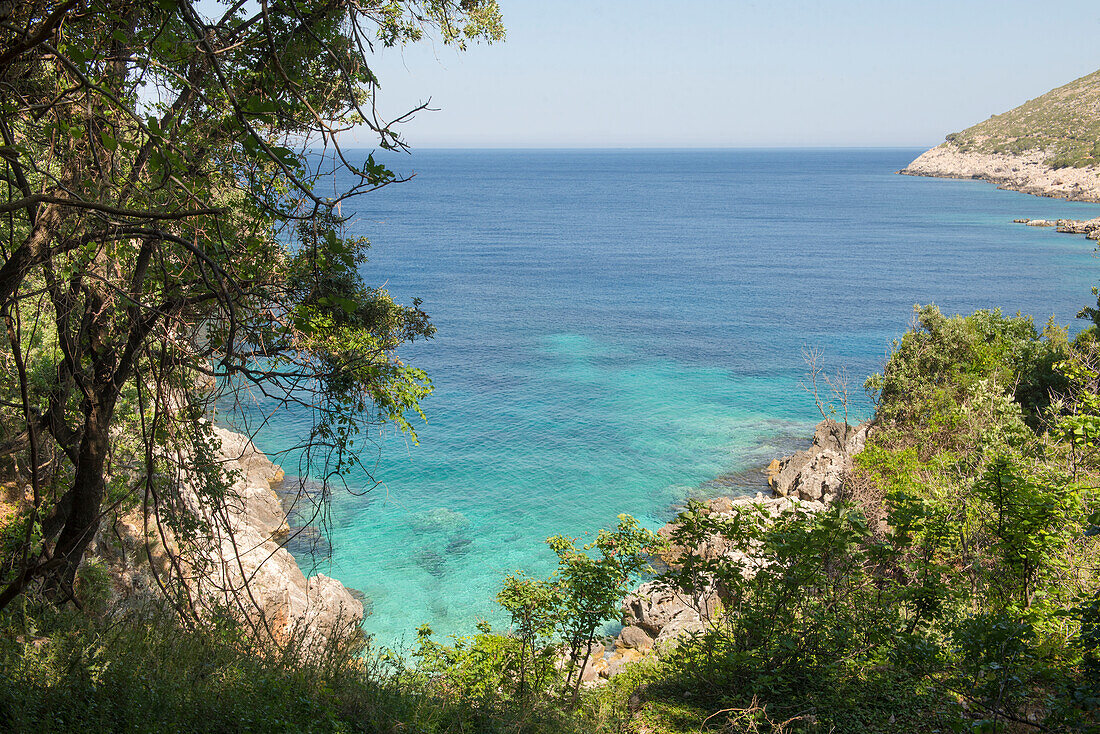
[622, 330]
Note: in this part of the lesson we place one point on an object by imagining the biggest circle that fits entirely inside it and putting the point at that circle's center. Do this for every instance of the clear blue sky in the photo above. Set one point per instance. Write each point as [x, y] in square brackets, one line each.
[714, 73]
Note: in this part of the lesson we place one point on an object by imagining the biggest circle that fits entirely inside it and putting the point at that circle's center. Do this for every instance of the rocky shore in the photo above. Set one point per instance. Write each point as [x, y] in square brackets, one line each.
[237, 563]
[1025, 172]
[655, 616]
[1088, 227]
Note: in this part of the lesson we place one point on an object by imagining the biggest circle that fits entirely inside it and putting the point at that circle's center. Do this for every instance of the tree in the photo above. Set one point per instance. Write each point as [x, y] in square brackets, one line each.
[165, 246]
[591, 587]
[534, 607]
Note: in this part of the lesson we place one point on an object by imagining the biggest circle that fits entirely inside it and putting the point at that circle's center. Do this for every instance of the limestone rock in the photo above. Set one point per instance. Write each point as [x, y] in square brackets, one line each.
[772, 470]
[597, 664]
[657, 617]
[678, 628]
[1027, 172]
[238, 565]
[245, 567]
[653, 607]
[720, 505]
[252, 500]
[617, 663]
[634, 638]
[816, 474]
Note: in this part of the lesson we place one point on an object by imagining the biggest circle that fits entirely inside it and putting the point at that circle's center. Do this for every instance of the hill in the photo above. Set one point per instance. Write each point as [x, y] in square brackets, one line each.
[1048, 146]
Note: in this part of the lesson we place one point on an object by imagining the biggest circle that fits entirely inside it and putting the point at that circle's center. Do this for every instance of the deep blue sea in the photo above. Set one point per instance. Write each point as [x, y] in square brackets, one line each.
[619, 329]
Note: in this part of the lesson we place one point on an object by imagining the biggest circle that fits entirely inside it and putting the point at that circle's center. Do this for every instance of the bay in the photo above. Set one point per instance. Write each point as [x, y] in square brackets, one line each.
[619, 329]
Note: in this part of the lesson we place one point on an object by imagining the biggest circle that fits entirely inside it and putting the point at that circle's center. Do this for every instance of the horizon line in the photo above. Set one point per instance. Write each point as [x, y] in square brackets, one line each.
[414, 148]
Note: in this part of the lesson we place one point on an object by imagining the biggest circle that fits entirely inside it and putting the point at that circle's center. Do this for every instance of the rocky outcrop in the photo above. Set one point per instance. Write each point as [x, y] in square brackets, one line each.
[1026, 172]
[244, 565]
[662, 613]
[655, 616]
[1088, 227]
[816, 474]
[238, 563]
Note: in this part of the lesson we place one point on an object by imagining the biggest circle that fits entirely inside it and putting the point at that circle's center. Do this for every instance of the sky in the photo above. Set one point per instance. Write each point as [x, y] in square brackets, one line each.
[738, 73]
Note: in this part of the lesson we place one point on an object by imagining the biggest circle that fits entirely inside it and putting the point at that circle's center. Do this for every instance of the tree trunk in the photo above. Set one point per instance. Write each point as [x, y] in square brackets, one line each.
[87, 492]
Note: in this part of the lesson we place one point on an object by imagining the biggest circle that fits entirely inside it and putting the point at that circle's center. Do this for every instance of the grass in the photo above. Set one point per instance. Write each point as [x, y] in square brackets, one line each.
[665, 698]
[63, 671]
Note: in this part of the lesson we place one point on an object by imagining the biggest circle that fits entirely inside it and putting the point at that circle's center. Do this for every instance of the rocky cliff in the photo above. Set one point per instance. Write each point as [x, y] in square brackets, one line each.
[237, 562]
[1026, 172]
[817, 473]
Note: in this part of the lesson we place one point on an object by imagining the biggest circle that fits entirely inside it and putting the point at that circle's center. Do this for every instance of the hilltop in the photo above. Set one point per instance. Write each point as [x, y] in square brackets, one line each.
[1048, 146]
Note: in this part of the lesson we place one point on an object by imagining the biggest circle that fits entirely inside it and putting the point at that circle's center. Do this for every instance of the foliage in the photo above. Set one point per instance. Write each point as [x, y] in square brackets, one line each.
[969, 606]
[591, 588]
[166, 250]
[555, 623]
[535, 608]
[61, 671]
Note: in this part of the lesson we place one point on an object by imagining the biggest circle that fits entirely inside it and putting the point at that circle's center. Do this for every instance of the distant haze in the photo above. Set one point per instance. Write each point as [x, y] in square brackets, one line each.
[713, 73]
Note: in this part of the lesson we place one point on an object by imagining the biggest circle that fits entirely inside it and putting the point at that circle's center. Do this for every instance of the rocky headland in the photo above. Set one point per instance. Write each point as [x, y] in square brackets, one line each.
[655, 616]
[1048, 146]
[1028, 172]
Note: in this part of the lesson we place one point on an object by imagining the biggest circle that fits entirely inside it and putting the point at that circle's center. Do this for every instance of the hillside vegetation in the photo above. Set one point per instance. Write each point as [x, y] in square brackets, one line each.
[953, 586]
[1064, 123]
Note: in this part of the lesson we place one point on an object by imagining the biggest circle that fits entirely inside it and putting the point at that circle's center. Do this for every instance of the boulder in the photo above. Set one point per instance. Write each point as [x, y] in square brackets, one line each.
[677, 628]
[634, 638]
[652, 607]
[720, 505]
[596, 665]
[596, 668]
[656, 616]
[772, 470]
[816, 474]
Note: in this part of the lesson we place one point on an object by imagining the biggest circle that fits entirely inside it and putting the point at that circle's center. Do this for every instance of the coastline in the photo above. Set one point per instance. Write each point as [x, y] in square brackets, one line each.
[1026, 172]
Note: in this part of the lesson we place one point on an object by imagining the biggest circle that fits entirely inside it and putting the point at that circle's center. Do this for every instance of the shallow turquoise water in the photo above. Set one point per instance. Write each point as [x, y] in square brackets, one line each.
[619, 328]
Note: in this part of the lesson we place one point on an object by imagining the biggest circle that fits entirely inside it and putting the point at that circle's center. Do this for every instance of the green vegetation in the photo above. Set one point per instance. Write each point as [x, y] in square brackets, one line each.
[144, 672]
[164, 250]
[1064, 124]
[955, 586]
[952, 588]
[68, 671]
[555, 622]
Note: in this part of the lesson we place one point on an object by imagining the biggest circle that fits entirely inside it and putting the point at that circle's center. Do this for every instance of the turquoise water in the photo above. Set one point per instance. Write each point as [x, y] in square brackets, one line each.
[617, 329]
